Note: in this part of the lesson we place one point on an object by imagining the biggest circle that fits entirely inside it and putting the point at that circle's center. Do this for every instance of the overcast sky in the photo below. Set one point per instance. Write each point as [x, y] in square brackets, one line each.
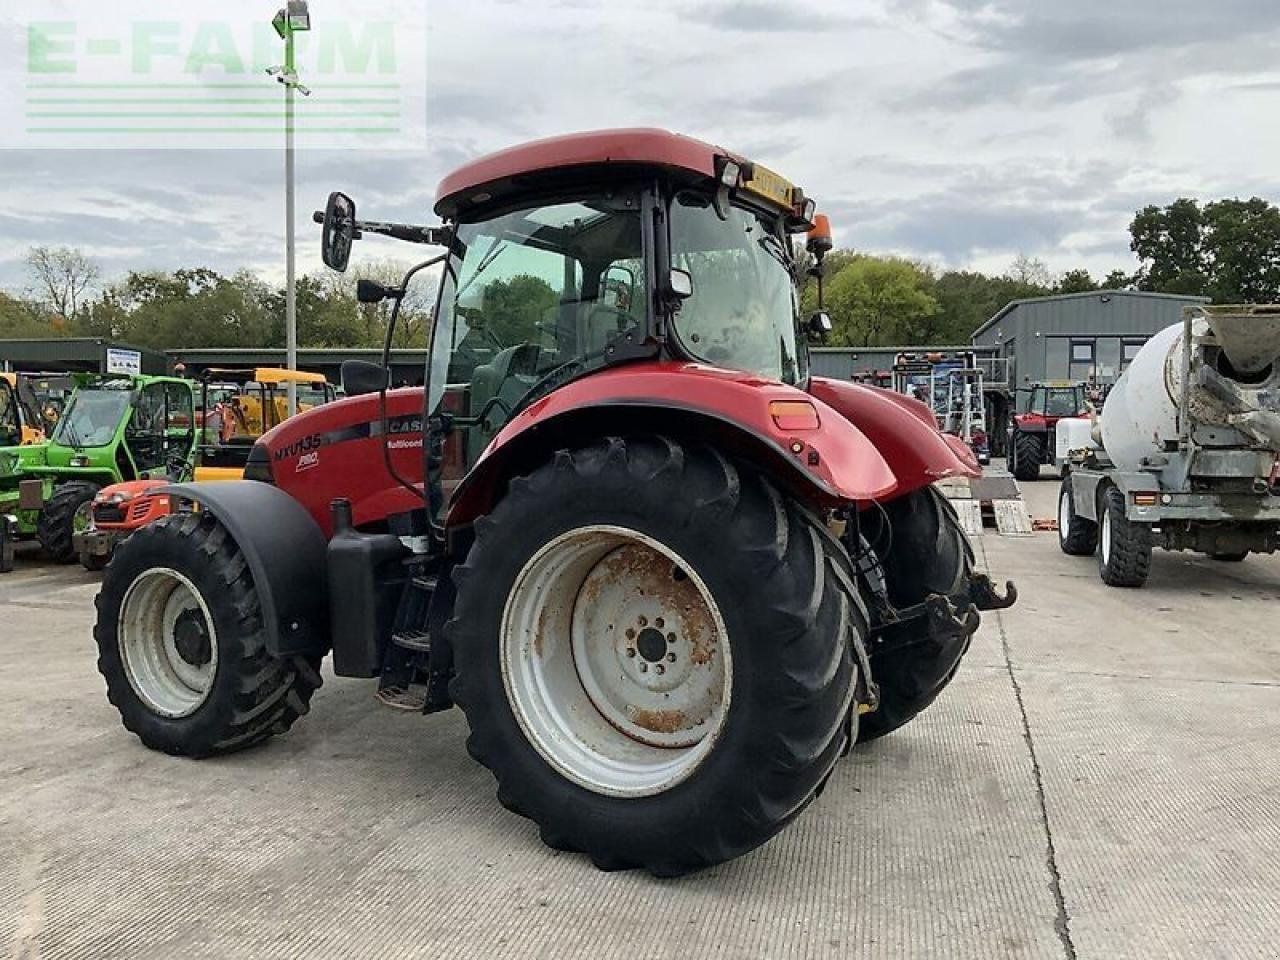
[960, 132]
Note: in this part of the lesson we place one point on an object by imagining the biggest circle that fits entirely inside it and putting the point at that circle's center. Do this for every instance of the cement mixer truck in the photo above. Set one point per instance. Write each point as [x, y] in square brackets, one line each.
[1186, 453]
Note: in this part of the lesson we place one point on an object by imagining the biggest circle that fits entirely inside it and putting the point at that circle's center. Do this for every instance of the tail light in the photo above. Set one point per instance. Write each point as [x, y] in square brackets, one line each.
[258, 466]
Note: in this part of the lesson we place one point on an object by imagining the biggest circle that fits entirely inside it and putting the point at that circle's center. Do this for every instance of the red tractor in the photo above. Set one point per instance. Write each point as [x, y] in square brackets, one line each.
[669, 576]
[1031, 437]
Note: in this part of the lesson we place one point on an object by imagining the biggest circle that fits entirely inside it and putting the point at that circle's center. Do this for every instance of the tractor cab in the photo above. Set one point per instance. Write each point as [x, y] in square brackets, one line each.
[1032, 437]
[1054, 400]
[11, 423]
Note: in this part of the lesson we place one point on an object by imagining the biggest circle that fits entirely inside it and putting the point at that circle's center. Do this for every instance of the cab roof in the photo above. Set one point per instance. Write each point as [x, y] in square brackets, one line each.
[480, 180]
[265, 375]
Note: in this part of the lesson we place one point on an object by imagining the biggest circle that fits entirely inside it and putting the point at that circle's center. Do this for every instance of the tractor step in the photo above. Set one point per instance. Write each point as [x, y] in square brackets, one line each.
[411, 700]
[415, 641]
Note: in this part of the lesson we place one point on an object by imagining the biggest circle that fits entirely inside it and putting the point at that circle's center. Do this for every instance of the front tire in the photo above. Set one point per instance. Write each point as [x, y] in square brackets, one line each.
[1077, 535]
[929, 554]
[65, 514]
[1235, 557]
[182, 647]
[746, 700]
[1124, 547]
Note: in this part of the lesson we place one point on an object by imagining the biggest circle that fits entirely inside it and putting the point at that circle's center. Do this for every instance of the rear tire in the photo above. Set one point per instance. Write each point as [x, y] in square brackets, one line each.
[1077, 535]
[1230, 557]
[1124, 547]
[692, 531]
[68, 508]
[930, 554]
[1028, 452]
[182, 647]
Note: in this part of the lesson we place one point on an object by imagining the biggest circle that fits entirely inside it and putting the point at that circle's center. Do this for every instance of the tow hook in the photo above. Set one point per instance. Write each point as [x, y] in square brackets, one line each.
[983, 593]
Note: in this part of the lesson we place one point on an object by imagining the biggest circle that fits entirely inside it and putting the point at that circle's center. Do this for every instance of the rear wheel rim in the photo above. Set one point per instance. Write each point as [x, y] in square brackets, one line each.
[1064, 514]
[82, 519]
[168, 644]
[616, 661]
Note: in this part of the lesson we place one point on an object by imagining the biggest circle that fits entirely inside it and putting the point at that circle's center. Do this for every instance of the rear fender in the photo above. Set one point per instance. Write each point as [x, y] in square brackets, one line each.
[285, 552]
[825, 465]
[903, 430]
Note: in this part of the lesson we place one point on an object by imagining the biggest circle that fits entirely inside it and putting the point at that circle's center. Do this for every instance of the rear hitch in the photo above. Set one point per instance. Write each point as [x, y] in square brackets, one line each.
[984, 596]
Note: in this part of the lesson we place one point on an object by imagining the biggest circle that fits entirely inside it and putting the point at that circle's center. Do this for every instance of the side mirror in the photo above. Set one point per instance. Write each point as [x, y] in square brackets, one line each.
[360, 377]
[370, 291]
[679, 285]
[820, 326]
[339, 231]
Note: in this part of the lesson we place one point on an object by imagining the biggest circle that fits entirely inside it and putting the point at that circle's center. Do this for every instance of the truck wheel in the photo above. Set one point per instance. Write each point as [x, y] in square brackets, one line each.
[655, 653]
[66, 513]
[1028, 452]
[1124, 547]
[1230, 557]
[182, 647]
[1077, 535]
[930, 554]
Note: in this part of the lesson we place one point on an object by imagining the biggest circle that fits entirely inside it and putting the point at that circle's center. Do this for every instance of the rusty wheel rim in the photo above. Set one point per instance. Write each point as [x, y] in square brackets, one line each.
[616, 661]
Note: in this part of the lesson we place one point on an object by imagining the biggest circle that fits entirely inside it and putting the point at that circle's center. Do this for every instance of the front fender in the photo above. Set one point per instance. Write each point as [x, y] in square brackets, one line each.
[902, 429]
[832, 461]
[285, 552]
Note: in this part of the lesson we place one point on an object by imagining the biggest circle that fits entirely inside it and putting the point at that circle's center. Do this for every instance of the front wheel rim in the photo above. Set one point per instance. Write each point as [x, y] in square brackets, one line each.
[168, 645]
[1064, 514]
[616, 661]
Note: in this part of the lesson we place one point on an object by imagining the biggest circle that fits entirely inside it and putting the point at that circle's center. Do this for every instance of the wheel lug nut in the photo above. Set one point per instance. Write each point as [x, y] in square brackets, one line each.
[659, 623]
[671, 638]
[631, 634]
[660, 668]
[643, 621]
[671, 658]
[631, 651]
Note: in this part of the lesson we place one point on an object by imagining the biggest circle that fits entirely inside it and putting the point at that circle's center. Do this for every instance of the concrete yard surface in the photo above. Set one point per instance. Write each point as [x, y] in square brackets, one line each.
[1102, 780]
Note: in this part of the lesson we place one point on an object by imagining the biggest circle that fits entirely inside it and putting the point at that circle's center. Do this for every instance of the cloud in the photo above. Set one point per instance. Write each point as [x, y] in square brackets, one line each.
[771, 16]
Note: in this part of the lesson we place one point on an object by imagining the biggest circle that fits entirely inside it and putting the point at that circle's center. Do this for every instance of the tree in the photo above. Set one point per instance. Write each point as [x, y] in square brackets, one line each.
[874, 302]
[1030, 272]
[1117, 280]
[1075, 281]
[1169, 242]
[1242, 246]
[62, 276]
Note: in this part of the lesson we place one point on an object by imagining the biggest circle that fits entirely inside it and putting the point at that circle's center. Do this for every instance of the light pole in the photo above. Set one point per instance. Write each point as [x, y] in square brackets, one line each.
[294, 18]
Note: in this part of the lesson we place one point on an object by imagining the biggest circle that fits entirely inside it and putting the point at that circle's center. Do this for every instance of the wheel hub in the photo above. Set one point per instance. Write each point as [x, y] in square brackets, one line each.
[167, 643]
[191, 640]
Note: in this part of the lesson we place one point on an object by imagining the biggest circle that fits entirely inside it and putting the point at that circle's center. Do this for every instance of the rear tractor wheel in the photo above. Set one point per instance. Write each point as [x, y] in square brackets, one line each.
[1028, 453]
[655, 651]
[182, 647]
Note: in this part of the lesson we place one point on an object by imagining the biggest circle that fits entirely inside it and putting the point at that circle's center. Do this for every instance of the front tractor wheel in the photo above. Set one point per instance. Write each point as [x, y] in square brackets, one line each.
[655, 651]
[182, 647]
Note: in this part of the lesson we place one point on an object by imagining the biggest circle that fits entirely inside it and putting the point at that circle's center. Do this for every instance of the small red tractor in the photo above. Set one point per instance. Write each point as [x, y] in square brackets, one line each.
[669, 575]
[1032, 442]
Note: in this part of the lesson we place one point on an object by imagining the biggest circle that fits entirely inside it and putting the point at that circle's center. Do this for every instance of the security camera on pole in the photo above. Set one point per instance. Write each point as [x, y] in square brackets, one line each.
[292, 19]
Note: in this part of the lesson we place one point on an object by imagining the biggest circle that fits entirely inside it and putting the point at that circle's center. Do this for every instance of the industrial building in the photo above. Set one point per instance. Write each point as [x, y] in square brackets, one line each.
[79, 355]
[1090, 337]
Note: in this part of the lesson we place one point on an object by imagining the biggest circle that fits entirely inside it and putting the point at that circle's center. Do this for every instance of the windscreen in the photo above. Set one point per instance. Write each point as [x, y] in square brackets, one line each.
[743, 313]
[91, 418]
